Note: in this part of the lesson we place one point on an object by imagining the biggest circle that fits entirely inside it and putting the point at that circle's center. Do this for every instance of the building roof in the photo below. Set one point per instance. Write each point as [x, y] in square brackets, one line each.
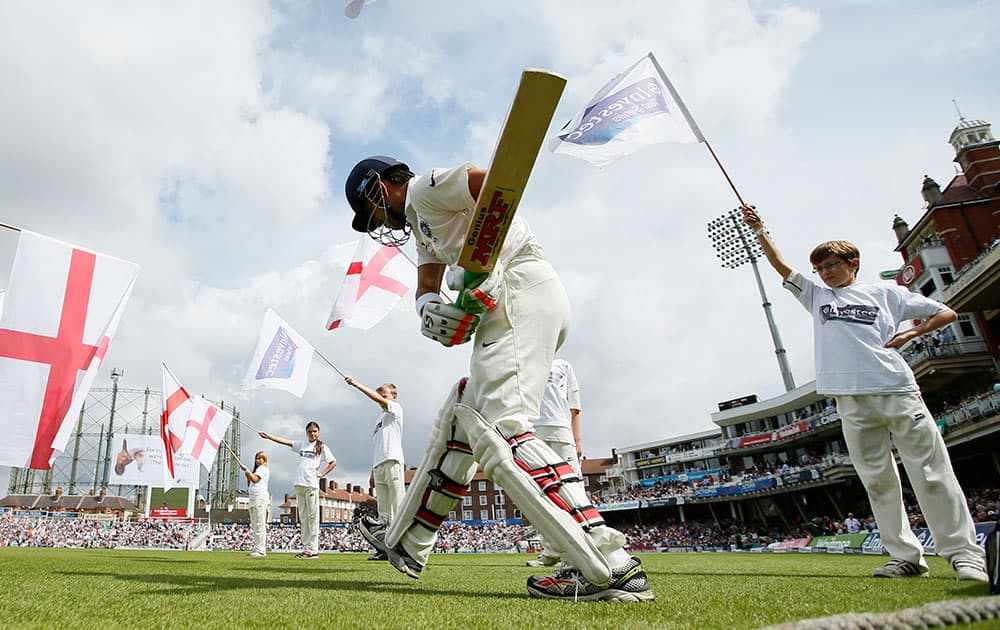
[596, 466]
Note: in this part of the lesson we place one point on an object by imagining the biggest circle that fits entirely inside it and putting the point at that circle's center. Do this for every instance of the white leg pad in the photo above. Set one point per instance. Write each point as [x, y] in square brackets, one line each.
[441, 480]
[536, 493]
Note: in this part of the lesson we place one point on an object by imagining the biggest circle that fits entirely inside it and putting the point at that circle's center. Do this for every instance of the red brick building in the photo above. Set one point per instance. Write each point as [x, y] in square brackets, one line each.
[952, 254]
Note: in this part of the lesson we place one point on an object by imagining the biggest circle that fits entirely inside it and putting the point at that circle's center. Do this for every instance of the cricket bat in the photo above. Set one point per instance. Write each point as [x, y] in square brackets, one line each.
[513, 158]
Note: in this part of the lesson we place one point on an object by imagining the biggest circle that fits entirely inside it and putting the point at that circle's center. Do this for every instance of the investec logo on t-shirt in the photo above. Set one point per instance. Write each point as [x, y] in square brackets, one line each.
[309, 453]
[279, 360]
[854, 313]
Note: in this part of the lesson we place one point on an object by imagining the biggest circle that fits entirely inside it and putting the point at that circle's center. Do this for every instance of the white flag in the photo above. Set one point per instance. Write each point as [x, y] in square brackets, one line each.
[637, 108]
[60, 313]
[175, 409]
[204, 432]
[379, 275]
[282, 358]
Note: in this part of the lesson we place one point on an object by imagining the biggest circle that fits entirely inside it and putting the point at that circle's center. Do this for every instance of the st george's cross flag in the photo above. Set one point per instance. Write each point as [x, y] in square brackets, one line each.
[281, 359]
[61, 310]
[378, 276]
[204, 432]
[637, 108]
[174, 413]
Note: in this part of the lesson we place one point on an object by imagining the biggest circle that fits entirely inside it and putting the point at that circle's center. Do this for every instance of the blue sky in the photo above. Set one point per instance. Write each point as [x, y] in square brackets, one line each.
[209, 144]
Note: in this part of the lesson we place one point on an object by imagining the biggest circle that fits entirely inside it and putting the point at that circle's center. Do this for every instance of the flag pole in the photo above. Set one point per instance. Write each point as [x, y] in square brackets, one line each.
[237, 457]
[336, 369]
[692, 124]
[10, 227]
[731, 185]
[247, 425]
[416, 266]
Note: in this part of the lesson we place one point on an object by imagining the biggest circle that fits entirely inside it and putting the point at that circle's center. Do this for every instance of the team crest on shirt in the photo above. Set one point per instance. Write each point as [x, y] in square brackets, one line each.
[852, 313]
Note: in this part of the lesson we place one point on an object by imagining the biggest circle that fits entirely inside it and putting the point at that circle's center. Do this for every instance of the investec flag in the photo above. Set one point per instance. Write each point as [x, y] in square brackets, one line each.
[281, 360]
[637, 108]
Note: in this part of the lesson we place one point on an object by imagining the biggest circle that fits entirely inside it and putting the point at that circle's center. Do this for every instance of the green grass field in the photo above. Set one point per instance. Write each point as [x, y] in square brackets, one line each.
[70, 588]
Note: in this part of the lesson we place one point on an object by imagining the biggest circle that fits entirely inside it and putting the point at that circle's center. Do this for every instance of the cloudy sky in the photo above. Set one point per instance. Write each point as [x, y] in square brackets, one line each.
[209, 142]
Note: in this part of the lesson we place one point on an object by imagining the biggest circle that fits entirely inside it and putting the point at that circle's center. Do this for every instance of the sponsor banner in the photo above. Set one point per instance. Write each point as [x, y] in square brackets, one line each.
[167, 512]
[792, 429]
[689, 476]
[664, 502]
[791, 543]
[853, 541]
[873, 542]
[800, 476]
[139, 460]
[621, 505]
[753, 440]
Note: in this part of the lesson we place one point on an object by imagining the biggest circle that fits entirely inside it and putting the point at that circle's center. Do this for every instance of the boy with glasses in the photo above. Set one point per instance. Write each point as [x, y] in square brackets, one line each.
[857, 363]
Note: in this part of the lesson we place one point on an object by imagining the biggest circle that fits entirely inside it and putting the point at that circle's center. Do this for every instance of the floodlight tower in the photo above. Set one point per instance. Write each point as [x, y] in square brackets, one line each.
[736, 246]
[115, 375]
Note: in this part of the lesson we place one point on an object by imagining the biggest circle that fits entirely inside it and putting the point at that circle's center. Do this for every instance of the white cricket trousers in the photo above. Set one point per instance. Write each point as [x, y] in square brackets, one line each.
[308, 500]
[389, 487]
[260, 507]
[868, 422]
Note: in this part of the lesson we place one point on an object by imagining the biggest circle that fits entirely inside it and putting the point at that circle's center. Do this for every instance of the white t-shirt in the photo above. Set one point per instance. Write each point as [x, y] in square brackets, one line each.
[259, 489]
[310, 462]
[850, 328]
[562, 393]
[388, 435]
[440, 209]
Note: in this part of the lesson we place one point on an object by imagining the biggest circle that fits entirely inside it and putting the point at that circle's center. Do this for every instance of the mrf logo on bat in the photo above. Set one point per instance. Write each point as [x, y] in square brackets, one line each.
[507, 176]
[491, 226]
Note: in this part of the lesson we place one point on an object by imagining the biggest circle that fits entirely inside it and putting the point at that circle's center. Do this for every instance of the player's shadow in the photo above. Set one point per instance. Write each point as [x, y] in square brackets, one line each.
[183, 585]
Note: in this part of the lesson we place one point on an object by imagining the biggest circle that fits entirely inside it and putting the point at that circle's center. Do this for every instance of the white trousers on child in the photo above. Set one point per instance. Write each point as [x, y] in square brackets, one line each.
[556, 439]
[389, 488]
[308, 504]
[869, 420]
[260, 506]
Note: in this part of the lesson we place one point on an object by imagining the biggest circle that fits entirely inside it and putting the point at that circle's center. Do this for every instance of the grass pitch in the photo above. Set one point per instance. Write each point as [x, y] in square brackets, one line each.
[73, 588]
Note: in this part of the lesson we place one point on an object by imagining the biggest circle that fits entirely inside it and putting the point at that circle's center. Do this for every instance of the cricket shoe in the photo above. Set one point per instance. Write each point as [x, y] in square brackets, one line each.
[897, 568]
[628, 584]
[256, 554]
[374, 530]
[379, 556]
[543, 560]
[972, 570]
[307, 555]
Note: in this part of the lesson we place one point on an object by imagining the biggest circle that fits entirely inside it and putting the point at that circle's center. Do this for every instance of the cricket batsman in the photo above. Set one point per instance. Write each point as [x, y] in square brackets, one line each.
[516, 316]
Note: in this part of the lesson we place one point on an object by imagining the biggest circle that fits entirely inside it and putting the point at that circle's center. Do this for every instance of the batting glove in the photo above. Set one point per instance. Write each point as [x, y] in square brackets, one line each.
[479, 291]
[445, 323]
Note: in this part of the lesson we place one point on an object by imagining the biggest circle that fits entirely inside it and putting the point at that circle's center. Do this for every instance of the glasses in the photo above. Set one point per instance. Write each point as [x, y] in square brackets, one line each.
[827, 267]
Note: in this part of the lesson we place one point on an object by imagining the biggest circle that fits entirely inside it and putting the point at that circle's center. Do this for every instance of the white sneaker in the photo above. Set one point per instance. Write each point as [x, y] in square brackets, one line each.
[543, 560]
[972, 570]
[256, 554]
[897, 568]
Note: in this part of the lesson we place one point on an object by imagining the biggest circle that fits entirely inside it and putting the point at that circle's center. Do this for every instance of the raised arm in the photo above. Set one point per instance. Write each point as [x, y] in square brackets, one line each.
[754, 222]
[369, 392]
[275, 438]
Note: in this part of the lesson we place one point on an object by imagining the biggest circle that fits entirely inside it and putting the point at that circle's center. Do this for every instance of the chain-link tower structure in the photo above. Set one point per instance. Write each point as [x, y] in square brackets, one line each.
[85, 465]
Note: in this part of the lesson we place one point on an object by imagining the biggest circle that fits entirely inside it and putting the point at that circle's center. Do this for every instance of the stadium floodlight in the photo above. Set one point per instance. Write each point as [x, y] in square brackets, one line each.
[736, 246]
